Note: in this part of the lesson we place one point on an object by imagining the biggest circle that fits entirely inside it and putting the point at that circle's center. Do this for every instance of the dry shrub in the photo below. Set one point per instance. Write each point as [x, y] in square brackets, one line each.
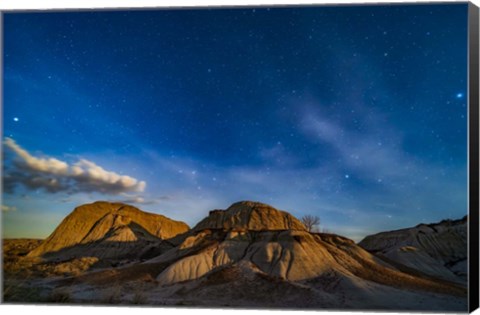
[113, 295]
[139, 298]
[60, 296]
[15, 292]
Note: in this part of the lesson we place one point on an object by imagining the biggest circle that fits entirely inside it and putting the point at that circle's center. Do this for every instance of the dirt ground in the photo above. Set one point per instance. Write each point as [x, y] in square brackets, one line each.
[75, 282]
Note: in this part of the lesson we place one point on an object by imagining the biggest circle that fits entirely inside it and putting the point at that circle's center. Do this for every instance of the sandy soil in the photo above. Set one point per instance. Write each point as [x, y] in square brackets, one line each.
[238, 285]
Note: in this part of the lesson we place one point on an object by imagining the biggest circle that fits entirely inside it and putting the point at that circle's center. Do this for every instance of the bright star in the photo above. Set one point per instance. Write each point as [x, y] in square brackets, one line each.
[459, 95]
[347, 176]
[15, 119]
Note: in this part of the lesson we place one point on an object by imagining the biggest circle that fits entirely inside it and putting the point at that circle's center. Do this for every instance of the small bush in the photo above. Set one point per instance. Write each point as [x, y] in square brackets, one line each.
[60, 296]
[139, 298]
[113, 296]
[21, 293]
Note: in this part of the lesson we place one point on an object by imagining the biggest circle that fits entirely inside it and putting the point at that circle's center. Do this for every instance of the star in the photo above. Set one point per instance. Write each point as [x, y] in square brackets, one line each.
[248, 127]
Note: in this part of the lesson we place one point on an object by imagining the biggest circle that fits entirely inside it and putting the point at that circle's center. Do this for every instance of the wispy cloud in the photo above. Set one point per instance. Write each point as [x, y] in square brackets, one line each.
[375, 151]
[393, 179]
[141, 199]
[54, 175]
[277, 155]
[6, 208]
[29, 162]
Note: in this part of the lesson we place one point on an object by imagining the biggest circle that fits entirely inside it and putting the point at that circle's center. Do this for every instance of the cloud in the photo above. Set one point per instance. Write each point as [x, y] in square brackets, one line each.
[91, 177]
[374, 152]
[50, 165]
[54, 175]
[277, 155]
[392, 178]
[6, 208]
[137, 199]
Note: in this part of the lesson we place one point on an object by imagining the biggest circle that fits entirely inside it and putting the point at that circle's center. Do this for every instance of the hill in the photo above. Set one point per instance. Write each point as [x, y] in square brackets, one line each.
[107, 230]
[248, 255]
[252, 254]
[438, 249]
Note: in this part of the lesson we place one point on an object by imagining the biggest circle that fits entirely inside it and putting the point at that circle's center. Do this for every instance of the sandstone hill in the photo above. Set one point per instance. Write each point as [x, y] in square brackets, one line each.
[438, 250]
[107, 230]
[275, 243]
[252, 254]
[251, 216]
[249, 255]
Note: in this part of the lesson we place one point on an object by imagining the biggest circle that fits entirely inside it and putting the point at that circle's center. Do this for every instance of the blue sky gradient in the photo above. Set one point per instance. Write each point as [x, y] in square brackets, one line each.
[356, 114]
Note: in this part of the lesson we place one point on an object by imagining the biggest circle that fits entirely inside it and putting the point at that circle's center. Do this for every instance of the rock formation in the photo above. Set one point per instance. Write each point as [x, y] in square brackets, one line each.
[262, 240]
[248, 255]
[251, 216]
[106, 230]
[438, 250]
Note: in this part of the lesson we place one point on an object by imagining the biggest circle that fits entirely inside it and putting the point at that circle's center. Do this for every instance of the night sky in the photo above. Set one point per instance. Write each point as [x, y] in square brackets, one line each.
[356, 114]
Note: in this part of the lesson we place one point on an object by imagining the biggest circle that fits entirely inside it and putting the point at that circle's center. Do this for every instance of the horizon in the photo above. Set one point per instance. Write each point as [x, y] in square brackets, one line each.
[354, 114]
[207, 214]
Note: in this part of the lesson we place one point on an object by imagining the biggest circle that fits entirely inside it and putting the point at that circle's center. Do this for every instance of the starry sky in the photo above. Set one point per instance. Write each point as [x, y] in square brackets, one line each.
[356, 114]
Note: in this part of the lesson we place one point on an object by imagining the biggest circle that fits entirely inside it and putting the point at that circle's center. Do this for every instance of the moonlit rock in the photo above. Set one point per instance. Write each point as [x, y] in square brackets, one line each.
[438, 249]
[106, 230]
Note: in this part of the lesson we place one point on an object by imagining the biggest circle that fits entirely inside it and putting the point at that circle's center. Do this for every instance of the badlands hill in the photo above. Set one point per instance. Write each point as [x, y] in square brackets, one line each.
[106, 230]
[438, 250]
[249, 255]
[275, 243]
[251, 216]
[254, 255]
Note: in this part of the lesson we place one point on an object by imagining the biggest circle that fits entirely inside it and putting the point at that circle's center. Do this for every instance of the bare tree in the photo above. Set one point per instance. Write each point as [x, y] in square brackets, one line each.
[311, 222]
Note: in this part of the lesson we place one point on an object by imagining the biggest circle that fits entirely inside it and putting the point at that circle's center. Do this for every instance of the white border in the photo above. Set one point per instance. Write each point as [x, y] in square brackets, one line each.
[99, 4]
